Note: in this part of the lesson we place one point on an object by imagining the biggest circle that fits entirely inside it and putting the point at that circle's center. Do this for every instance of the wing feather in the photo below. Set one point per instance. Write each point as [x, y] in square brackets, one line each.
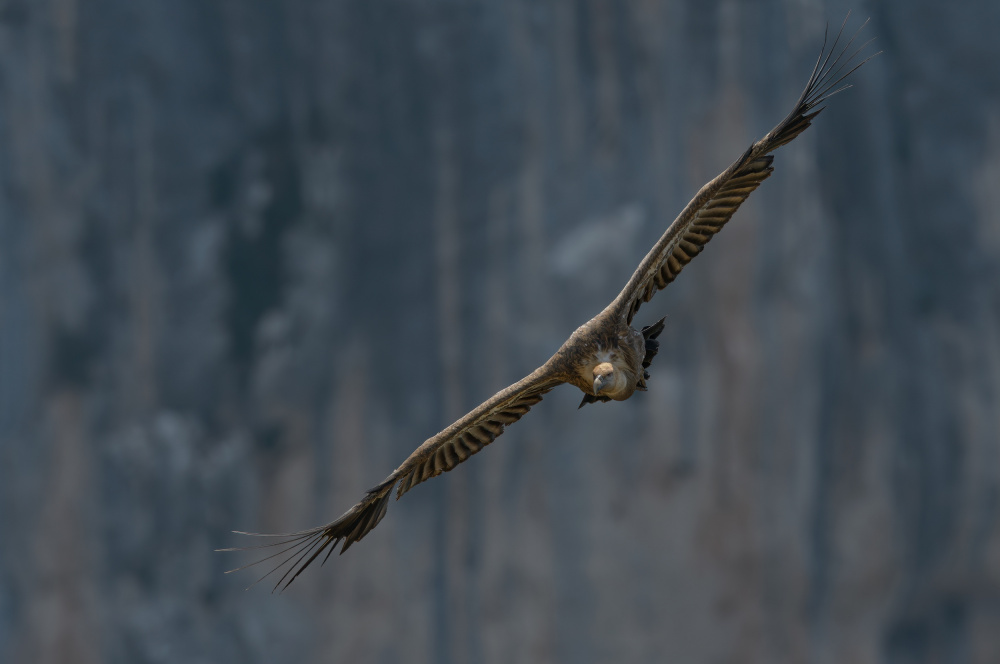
[439, 454]
[473, 432]
[718, 200]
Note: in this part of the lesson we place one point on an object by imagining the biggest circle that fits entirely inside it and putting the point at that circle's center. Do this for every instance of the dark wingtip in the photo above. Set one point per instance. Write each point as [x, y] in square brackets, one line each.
[832, 68]
[297, 551]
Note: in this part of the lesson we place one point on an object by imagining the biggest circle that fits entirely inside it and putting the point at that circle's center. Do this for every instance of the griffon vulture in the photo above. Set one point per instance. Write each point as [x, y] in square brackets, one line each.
[606, 358]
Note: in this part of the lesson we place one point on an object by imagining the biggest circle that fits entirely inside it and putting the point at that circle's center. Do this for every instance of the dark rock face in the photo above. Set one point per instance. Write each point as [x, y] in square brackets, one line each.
[253, 252]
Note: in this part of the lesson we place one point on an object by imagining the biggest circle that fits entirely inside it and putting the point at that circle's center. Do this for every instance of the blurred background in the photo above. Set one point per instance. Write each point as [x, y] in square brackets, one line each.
[253, 252]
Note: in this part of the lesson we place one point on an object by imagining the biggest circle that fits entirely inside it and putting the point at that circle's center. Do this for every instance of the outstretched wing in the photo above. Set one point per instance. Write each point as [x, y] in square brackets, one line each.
[439, 454]
[715, 204]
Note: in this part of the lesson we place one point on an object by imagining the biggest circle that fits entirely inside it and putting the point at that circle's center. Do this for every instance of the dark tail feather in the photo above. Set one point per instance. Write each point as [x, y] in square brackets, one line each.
[590, 398]
[649, 333]
[298, 550]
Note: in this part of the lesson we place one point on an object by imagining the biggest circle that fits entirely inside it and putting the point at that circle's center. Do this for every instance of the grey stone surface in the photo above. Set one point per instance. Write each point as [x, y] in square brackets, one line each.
[253, 252]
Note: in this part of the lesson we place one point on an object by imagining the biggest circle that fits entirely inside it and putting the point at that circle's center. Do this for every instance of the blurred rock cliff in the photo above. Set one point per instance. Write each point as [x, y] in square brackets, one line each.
[253, 252]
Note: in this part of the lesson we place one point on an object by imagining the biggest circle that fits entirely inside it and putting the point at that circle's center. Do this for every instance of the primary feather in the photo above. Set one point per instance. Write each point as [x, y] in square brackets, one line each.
[717, 201]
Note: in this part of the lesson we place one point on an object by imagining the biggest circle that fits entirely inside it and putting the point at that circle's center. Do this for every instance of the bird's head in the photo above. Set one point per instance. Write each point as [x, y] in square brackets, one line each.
[604, 377]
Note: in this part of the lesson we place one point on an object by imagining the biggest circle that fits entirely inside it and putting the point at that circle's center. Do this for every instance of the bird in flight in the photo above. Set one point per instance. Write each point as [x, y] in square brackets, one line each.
[606, 357]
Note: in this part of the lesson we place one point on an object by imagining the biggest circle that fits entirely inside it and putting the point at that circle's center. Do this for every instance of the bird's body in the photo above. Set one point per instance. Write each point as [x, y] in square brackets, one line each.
[606, 357]
[605, 346]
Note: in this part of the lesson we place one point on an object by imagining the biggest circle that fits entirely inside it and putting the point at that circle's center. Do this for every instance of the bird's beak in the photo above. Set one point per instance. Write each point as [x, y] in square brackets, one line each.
[599, 384]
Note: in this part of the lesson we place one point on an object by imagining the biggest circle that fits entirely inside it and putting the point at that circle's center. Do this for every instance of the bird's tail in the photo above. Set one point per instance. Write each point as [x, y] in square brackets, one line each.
[649, 333]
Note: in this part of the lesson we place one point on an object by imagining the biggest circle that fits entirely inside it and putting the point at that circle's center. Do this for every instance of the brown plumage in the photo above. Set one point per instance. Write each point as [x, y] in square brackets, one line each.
[606, 357]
